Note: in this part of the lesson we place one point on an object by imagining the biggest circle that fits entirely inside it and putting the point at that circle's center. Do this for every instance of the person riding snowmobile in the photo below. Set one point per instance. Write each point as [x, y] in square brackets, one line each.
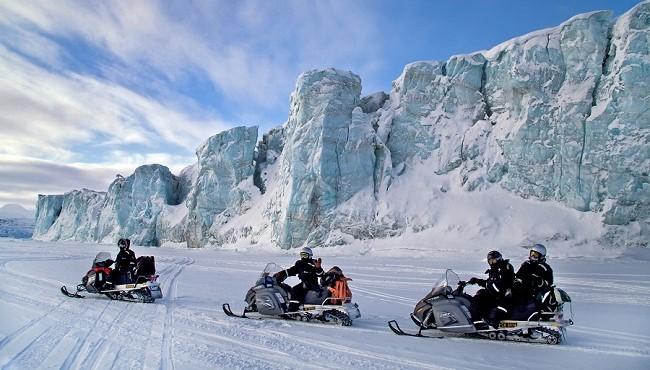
[337, 285]
[493, 301]
[124, 263]
[308, 271]
[534, 277]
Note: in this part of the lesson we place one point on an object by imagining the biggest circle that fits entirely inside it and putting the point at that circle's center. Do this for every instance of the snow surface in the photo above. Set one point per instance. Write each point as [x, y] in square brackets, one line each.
[40, 328]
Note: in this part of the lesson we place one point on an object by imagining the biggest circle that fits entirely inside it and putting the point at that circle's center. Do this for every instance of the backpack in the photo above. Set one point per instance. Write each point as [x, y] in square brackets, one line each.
[337, 284]
[145, 266]
[341, 293]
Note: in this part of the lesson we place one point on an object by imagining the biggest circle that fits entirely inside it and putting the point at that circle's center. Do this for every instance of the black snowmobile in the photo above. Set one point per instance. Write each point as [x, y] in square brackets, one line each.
[446, 311]
[100, 279]
[269, 298]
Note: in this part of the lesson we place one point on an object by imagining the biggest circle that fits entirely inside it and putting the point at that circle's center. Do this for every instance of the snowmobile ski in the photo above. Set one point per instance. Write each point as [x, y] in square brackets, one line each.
[394, 326]
[228, 312]
[65, 292]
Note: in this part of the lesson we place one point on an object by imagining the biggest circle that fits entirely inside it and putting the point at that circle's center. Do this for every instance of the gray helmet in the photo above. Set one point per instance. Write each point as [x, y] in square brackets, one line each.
[537, 253]
[306, 253]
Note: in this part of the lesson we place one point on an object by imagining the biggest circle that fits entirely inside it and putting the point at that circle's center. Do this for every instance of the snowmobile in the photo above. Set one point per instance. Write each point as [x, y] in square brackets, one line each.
[445, 311]
[143, 288]
[269, 298]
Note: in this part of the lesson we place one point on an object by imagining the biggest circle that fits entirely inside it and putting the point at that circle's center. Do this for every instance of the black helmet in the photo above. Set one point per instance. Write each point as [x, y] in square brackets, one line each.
[123, 243]
[494, 257]
[537, 253]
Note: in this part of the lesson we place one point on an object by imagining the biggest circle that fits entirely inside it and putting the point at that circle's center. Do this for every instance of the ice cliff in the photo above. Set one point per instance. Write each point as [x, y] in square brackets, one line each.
[558, 115]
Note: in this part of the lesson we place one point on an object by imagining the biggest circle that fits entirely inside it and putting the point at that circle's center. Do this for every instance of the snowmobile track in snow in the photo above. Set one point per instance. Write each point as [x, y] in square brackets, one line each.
[170, 298]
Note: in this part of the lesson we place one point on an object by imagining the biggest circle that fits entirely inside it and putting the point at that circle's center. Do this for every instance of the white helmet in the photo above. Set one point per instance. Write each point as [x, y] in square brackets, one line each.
[537, 253]
[306, 253]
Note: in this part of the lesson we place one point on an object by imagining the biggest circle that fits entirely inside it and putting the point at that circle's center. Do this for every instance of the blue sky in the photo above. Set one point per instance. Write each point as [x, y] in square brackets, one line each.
[89, 89]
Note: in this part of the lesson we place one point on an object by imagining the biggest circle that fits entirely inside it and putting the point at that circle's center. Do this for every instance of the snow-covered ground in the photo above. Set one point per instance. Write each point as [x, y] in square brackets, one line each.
[40, 328]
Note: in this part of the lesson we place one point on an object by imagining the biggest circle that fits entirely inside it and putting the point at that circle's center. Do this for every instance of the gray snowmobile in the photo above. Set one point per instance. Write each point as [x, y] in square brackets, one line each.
[144, 287]
[269, 298]
[445, 311]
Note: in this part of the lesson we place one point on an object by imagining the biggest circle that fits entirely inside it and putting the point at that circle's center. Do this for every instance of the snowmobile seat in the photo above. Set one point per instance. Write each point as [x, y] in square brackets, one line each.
[316, 296]
[524, 311]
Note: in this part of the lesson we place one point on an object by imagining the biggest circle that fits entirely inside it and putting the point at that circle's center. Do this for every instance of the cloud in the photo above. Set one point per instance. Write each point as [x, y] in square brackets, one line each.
[250, 50]
[87, 84]
[22, 179]
[44, 112]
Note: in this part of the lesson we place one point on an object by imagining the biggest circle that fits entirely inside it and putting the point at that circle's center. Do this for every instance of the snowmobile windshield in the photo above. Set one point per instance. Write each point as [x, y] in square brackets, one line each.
[451, 279]
[446, 284]
[271, 268]
[268, 272]
[101, 257]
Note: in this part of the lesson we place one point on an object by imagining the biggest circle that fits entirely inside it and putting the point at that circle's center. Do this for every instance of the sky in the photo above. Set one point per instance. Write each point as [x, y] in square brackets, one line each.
[90, 89]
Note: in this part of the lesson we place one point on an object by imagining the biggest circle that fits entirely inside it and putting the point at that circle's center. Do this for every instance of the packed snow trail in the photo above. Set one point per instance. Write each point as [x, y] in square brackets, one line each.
[41, 328]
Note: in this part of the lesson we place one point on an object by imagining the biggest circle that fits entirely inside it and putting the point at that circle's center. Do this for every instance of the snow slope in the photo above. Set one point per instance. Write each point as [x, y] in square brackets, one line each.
[40, 328]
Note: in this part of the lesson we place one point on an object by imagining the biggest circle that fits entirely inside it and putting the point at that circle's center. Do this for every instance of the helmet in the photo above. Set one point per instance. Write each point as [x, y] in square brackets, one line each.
[537, 253]
[494, 257]
[306, 253]
[123, 243]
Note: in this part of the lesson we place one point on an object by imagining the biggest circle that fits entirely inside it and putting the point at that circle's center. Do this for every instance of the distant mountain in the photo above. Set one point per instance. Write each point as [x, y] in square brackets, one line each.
[15, 211]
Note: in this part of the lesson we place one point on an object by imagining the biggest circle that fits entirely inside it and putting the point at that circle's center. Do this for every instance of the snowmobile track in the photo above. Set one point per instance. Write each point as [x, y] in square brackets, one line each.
[167, 355]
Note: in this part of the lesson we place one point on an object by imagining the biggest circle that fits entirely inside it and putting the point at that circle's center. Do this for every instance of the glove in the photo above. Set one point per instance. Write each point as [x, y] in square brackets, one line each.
[279, 276]
[462, 283]
[473, 281]
[317, 263]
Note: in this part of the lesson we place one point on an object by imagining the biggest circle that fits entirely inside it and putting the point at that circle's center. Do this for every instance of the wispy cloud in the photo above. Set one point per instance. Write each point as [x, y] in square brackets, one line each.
[102, 82]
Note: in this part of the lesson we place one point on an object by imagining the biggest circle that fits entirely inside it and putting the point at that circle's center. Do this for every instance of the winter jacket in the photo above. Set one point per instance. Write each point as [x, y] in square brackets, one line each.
[125, 260]
[306, 271]
[500, 278]
[534, 277]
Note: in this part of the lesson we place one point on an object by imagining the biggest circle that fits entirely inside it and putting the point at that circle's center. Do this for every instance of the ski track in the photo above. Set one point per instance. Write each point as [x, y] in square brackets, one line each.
[192, 331]
[167, 354]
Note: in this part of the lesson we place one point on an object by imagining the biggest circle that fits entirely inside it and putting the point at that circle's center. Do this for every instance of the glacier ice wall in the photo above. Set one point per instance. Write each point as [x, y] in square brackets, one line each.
[134, 203]
[327, 156]
[48, 209]
[539, 89]
[224, 161]
[559, 114]
[615, 169]
[80, 211]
